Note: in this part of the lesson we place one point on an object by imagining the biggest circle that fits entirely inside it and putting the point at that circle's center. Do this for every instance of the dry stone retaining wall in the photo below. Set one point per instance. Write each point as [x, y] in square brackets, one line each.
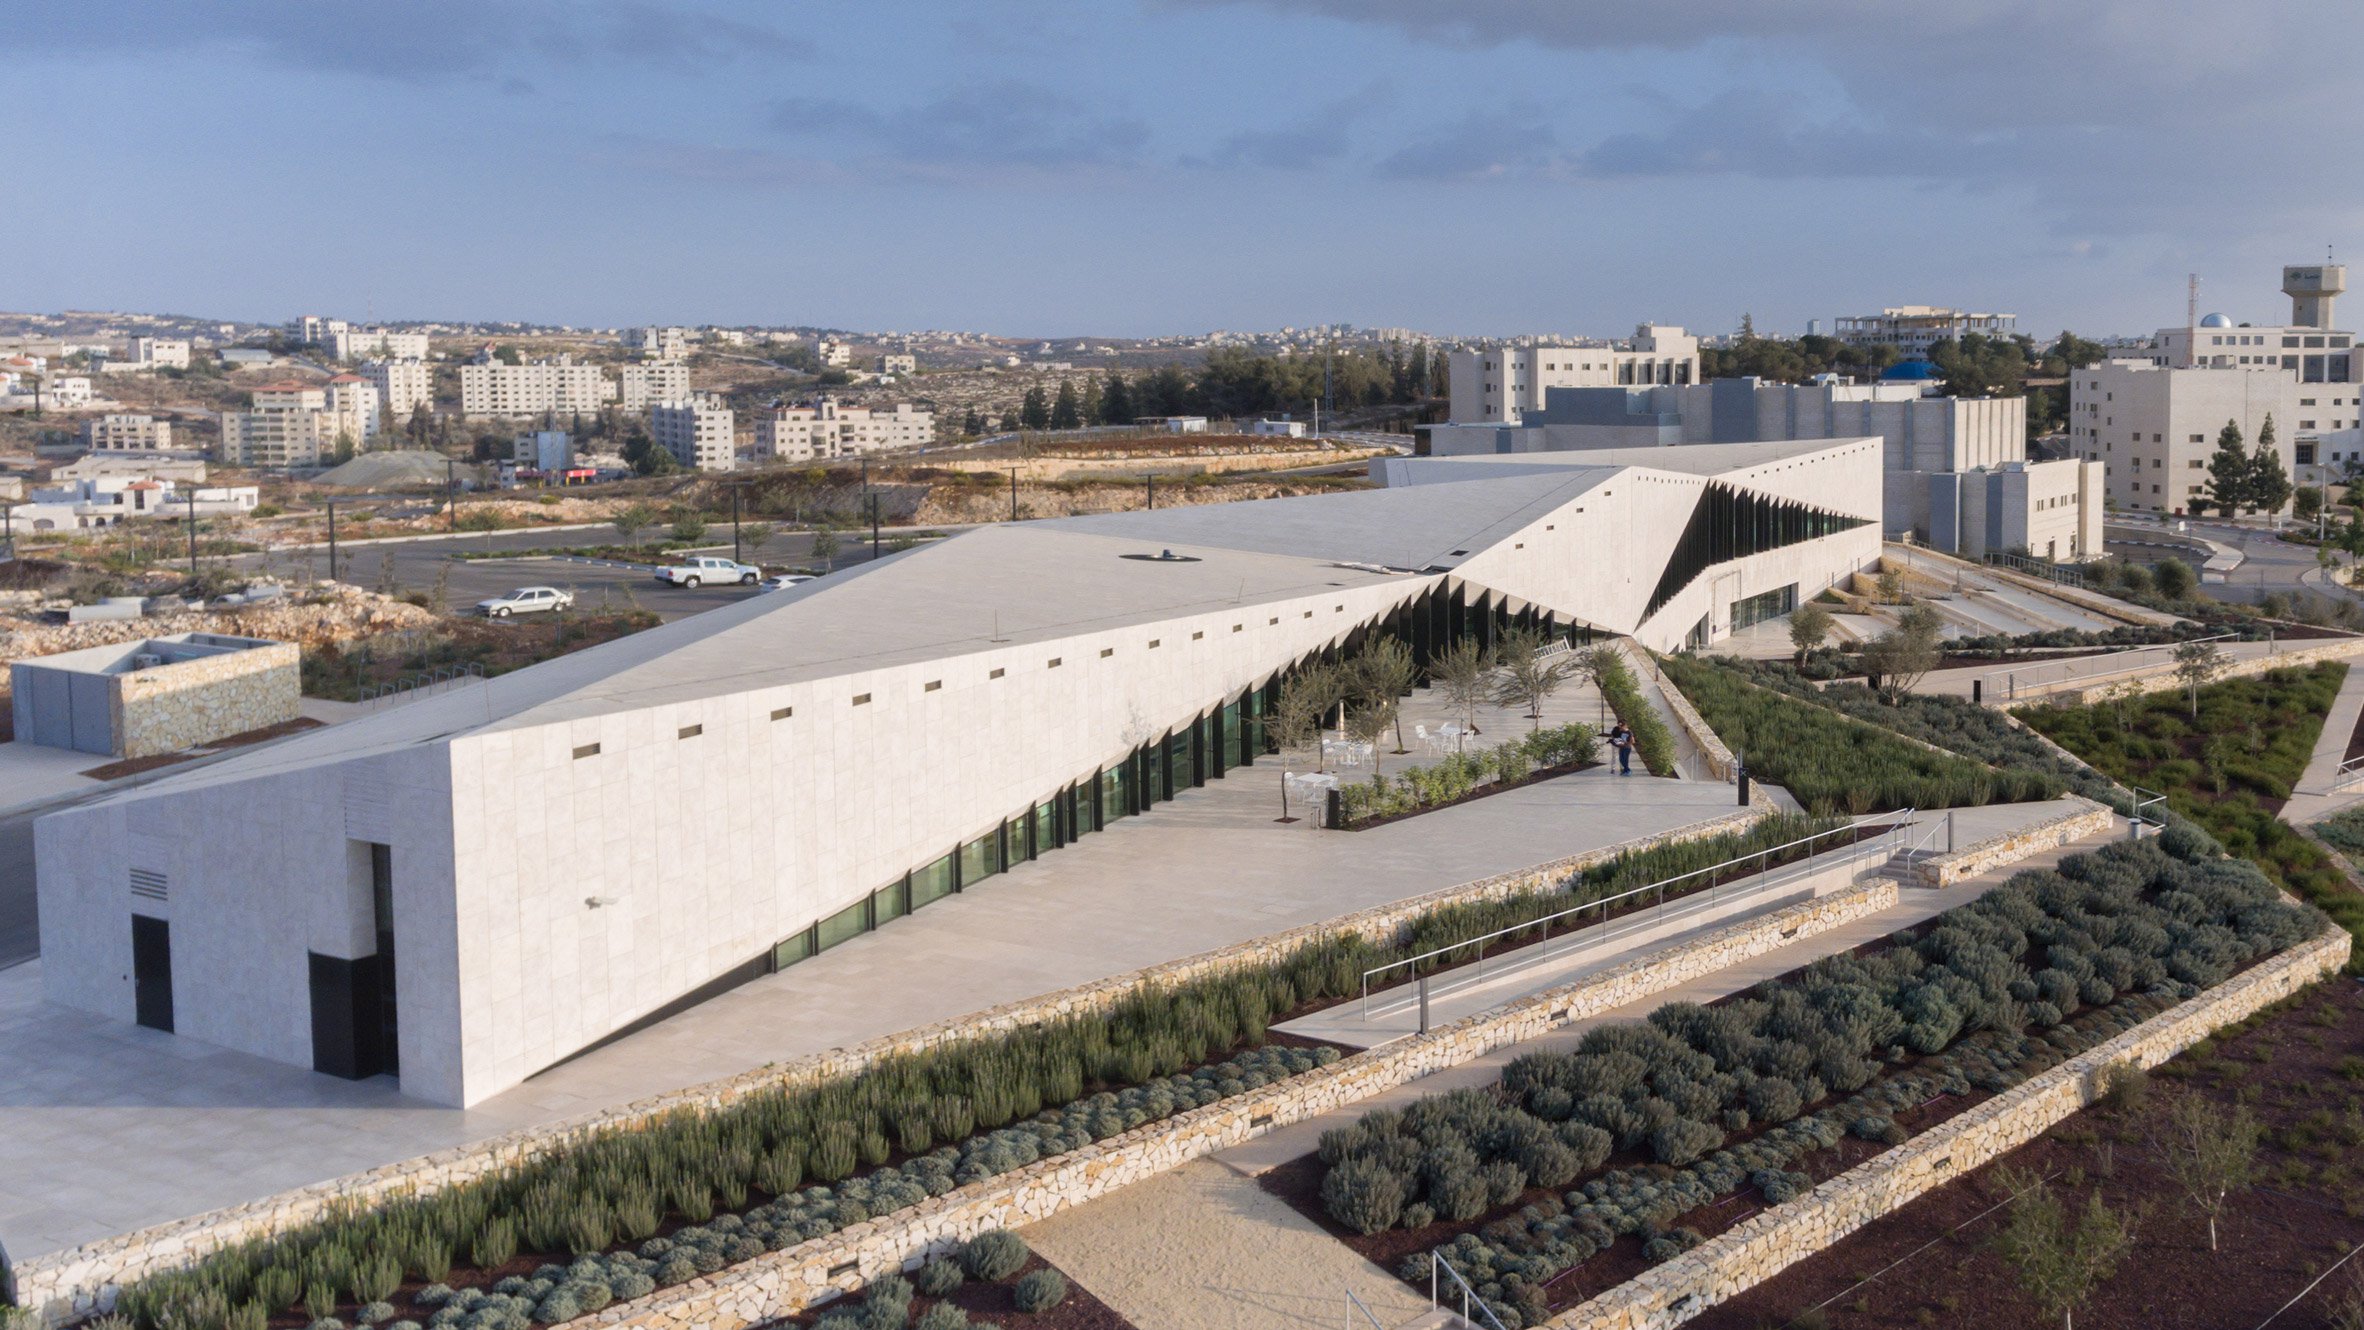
[167, 708]
[770, 1287]
[1767, 1243]
[84, 1278]
[2162, 677]
[2079, 817]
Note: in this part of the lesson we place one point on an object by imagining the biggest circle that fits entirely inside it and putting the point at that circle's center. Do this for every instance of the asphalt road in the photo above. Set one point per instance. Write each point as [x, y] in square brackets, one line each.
[2269, 564]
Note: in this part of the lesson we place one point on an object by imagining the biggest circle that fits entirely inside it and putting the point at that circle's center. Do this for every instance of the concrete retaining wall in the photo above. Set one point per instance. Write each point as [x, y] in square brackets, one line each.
[80, 1280]
[1765, 1244]
[2162, 678]
[777, 1285]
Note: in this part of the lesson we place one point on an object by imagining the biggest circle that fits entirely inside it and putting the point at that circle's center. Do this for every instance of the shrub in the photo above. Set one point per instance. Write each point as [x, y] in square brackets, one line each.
[938, 1277]
[995, 1255]
[942, 1316]
[1041, 1291]
[1364, 1195]
[1683, 1140]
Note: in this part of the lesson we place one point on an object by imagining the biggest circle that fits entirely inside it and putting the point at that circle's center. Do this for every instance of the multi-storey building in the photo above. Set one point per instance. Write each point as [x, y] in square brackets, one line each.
[641, 386]
[160, 352]
[1500, 385]
[357, 343]
[699, 432]
[562, 385]
[825, 429]
[351, 404]
[2153, 417]
[1913, 329]
[312, 330]
[658, 343]
[403, 385]
[834, 354]
[287, 425]
[126, 434]
[892, 363]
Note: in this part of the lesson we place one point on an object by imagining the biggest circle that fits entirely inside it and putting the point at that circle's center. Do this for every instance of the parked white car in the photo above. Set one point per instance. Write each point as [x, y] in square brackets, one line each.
[783, 581]
[526, 600]
[705, 568]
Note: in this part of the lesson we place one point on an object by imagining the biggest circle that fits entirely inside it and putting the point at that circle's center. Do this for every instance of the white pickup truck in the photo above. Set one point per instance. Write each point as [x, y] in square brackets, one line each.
[705, 568]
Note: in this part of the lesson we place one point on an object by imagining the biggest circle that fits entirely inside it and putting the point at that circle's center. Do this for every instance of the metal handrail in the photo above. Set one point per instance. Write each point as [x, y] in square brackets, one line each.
[1357, 1303]
[2010, 674]
[1897, 824]
[1437, 1261]
[2349, 772]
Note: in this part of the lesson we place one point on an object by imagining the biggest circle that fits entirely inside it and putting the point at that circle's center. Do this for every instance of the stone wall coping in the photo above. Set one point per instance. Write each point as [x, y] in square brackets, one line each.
[1719, 757]
[1770, 1241]
[2078, 818]
[84, 1276]
[2160, 678]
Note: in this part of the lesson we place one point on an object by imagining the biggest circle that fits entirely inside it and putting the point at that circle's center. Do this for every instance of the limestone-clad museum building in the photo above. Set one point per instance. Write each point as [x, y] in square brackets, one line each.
[465, 889]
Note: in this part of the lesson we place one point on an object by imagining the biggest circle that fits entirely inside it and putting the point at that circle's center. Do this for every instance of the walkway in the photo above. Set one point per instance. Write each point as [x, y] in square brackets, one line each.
[1690, 763]
[2077, 671]
[2316, 796]
[1205, 1248]
[81, 1095]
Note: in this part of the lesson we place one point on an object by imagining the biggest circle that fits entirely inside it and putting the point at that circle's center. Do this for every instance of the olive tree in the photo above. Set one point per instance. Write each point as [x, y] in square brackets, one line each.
[2059, 1261]
[1528, 676]
[1810, 626]
[2196, 666]
[1379, 677]
[1459, 673]
[2210, 1154]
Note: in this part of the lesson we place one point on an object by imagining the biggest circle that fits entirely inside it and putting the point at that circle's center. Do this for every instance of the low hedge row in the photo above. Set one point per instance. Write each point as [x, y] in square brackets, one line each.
[1832, 763]
[1651, 738]
[2126, 930]
[1443, 781]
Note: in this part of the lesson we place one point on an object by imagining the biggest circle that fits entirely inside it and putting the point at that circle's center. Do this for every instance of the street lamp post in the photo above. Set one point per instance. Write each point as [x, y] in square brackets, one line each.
[1013, 494]
[451, 495]
[192, 533]
[332, 540]
[735, 526]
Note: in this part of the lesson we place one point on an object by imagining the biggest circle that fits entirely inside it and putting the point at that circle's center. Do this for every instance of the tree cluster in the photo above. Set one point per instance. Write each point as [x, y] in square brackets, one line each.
[2239, 478]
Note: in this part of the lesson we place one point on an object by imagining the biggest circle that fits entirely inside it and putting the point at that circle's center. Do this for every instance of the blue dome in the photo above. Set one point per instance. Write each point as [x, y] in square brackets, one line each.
[1909, 371]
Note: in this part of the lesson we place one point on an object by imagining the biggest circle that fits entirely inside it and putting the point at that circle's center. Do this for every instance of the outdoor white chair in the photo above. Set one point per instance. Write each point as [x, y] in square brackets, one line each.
[1427, 740]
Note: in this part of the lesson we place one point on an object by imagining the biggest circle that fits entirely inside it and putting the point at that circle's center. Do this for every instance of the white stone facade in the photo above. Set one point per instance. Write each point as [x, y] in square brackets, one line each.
[560, 385]
[1913, 329]
[287, 425]
[642, 386]
[403, 385]
[366, 343]
[701, 435]
[1499, 386]
[826, 429]
[126, 434]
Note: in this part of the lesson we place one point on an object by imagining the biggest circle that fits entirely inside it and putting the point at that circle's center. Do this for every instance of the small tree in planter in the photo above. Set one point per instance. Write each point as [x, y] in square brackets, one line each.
[2059, 1261]
[2209, 1153]
[1379, 678]
[633, 519]
[2196, 666]
[1368, 724]
[1809, 627]
[1295, 722]
[1529, 678]
[1459, 672]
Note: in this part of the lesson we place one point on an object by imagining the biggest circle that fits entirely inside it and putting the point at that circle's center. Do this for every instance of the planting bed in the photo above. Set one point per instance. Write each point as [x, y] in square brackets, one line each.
[1542, 755]
[2229, 770]
[1702, 1114]
[1832, 763]
[936, 1302]
[2299, 1067]
[1652, 740]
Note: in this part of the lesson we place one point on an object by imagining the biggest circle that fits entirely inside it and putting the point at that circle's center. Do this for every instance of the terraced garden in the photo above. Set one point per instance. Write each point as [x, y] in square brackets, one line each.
[1578, 1170]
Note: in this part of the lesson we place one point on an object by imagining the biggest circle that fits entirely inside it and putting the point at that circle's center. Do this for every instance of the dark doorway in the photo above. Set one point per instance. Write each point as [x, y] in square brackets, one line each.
[151, 972]
[381, 898]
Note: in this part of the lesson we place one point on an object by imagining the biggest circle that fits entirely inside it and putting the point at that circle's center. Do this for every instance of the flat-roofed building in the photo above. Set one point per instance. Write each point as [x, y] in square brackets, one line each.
[287, 425]
[364, 343]
[1499, 386]
[638, 386]
[699, 432]
[403, 385]
[1913, 329]
[658, 343]
[126, 433]
[563, 385]
[827, 428]
[160, 352]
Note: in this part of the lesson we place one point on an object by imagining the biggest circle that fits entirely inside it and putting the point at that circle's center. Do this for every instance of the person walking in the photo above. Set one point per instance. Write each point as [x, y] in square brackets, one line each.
[1621, 739]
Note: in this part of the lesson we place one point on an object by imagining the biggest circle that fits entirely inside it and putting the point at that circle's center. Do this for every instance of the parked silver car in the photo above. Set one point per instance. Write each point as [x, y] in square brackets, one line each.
[526, 600]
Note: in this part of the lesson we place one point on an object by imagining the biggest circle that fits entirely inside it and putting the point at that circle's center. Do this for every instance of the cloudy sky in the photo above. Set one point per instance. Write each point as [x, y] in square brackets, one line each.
[1047, 167]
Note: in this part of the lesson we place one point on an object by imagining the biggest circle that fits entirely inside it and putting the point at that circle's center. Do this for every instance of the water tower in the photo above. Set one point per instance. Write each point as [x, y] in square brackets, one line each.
[2312, 290]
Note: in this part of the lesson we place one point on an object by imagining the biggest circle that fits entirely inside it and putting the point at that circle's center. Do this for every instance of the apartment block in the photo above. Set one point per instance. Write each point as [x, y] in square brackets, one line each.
[351, 403]
[287, 425]
[360, 343]
[126, 434]
[834, 354]
[658, 343]
[1499, 386]
[700, 433]
[642, 386]
[563, 384]
[826, 429]
[1913, 329]
[898, 364]
[160, 352]
[403, 385]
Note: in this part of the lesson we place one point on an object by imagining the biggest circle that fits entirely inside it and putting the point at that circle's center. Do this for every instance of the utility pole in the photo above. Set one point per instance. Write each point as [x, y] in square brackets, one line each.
[451, 495]
[332, 540]
[1013, 494]
[874, 528]
[735, 558]
[192, 533]
[1152, 479]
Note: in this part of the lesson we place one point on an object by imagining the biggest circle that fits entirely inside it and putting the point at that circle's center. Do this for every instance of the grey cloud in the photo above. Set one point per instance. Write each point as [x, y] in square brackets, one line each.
[1317, 140]
[1485, 145]
[420, 41]
[981, 125]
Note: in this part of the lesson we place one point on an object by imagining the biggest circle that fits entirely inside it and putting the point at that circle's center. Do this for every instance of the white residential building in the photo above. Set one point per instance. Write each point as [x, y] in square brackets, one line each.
[827, 429]
[1500, 385]
[160, 352]
[699, 432]
[1913, 329]
[726, 337]
[313, 330]
[1285, 428]
[403, 385]
[893, 363]
[287, 425]
[641, 386]
[562, 385]
[658, 343]
[362, 343]
[834, 354]
[351, 403]
[126, 434]
[69, 391]
[2153, 417]
[106, 500]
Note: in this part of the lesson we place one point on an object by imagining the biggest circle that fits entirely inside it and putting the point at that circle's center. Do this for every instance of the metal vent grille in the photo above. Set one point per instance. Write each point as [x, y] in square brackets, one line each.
[148, 884]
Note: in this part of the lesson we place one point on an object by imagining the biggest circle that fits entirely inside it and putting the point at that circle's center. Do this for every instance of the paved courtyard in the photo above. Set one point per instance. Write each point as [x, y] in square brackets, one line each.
[105, 1127]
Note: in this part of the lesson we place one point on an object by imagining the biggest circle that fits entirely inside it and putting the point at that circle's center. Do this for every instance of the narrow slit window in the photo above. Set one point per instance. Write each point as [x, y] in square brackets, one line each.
[586, 750]
[689, 732]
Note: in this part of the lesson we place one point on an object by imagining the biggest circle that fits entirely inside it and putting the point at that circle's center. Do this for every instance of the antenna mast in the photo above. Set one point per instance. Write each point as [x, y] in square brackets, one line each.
[2191, 322]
